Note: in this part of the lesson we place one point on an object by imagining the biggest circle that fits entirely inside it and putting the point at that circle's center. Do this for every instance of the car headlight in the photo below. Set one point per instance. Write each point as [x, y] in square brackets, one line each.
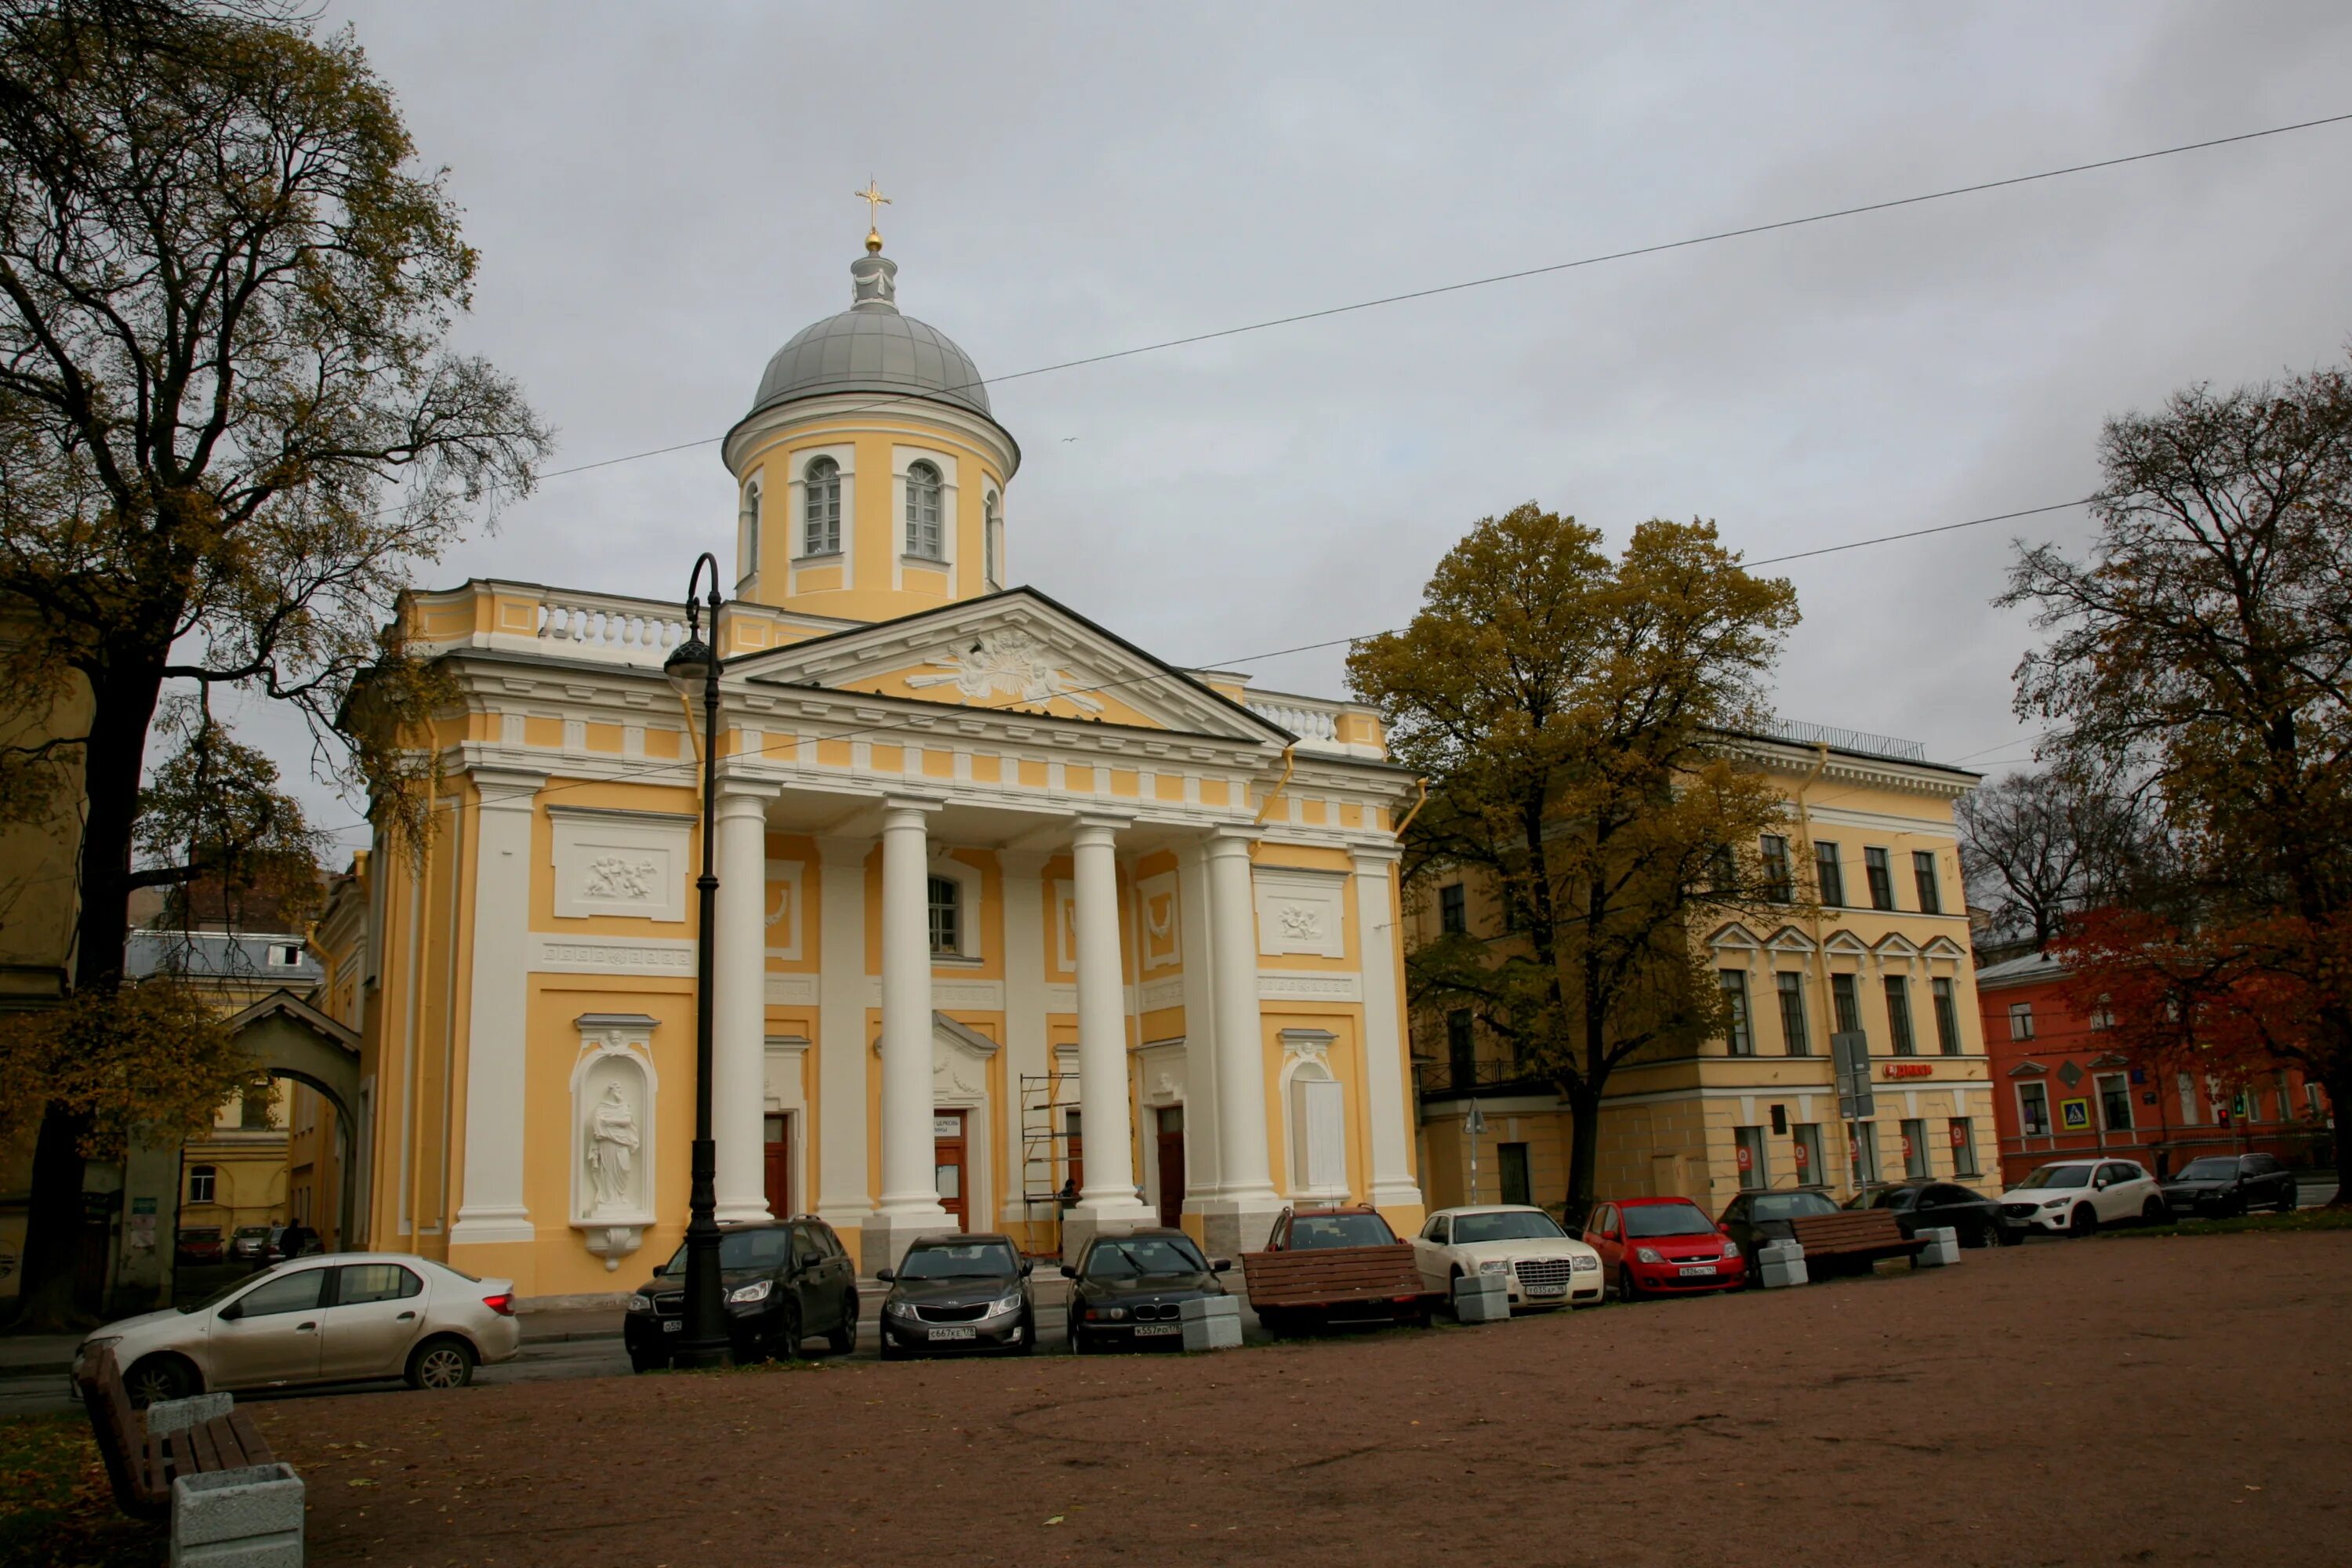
[1004, 1304]
[641, 1303]
[1583, 1263]
[1731, 1248]
[1648, 1254]
[2054, 1203]
[757, 1290]
[1496, 1268]
[91, 1346]
[899, 1308]
[1112, 1314]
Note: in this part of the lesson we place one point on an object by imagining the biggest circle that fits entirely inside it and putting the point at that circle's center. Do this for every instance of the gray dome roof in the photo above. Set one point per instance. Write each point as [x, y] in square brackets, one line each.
[870, 347]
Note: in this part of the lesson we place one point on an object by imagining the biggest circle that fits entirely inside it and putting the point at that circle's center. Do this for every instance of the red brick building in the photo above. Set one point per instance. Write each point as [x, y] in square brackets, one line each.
[2062, 1090]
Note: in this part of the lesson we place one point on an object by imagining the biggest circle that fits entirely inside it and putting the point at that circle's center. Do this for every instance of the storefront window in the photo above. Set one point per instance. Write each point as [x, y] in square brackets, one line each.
[1915, 1148]
[1812, 1171]
[1754, 1175]
[1964, 1147]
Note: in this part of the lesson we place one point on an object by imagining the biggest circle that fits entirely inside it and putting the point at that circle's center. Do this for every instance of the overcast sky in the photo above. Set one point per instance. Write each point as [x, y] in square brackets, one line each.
[661, 195]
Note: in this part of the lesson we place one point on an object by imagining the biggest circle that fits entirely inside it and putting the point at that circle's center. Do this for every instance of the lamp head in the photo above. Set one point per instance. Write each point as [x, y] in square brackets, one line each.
[689, 665]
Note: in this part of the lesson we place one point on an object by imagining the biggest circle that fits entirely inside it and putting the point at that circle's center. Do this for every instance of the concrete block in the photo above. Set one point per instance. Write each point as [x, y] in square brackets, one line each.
[1943, 1246]
[1482, 1297]
[238, 1519]
[168, 1416]
[1200, 1308]
[1781, 1264]
[1221, 1333]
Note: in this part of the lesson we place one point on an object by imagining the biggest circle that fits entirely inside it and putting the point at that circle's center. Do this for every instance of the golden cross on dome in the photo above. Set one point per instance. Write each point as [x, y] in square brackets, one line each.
[875, 202]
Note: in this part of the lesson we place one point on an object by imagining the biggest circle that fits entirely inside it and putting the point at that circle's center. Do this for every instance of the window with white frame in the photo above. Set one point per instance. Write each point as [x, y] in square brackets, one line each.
[947, 915]
[925, 539]
[2115, 1101]
[1739, 1035]
[821, 508]
[991, 540]
[2189, 1114]
[750, 520]
[201, 1180]
[2034, 1110]
[2020, 1020]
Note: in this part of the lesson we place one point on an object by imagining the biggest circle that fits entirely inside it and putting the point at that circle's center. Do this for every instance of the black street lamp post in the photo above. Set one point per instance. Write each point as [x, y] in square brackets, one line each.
[703, 1342]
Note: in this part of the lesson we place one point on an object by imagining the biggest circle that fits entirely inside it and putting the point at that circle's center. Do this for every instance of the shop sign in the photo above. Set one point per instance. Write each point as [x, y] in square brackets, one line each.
[1747, 1160]
[1802, 1159]
[1959, 1135]
[1909, 1070]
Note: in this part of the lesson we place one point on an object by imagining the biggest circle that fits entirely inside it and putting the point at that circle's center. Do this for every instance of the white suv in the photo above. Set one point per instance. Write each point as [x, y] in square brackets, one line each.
[2077, 1196]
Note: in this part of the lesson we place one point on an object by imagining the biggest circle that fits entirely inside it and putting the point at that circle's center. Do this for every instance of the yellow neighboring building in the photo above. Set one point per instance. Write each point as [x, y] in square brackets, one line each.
[1018, 927]
[1880, 944]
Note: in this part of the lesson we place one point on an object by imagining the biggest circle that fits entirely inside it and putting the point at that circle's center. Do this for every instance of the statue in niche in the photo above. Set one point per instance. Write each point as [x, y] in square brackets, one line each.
[612, 1141]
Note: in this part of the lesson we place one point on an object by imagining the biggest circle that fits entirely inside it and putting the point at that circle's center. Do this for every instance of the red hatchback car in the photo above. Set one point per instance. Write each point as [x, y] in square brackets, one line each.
[1664, 1246]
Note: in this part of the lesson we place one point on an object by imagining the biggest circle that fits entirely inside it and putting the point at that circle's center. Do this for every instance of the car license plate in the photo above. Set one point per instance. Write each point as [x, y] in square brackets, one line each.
[952, 1333]
[1546, 1289]
[1159, 1327]
[1691, 1270]
[672, 1325]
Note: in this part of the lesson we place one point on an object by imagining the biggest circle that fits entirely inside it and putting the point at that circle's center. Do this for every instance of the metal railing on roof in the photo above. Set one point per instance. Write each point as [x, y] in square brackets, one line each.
[1861, 741]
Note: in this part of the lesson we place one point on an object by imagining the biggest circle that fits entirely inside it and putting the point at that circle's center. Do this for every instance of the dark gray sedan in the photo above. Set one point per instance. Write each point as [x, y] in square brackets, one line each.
[958, 1295]
[2218, 1185]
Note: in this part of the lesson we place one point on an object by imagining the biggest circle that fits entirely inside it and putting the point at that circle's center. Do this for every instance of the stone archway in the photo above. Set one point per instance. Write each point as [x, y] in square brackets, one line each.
[294, 1040]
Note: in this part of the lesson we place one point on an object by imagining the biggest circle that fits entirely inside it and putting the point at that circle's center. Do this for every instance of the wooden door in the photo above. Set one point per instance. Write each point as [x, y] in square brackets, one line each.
[948, 1146]
[1171, 1166]
[780, 1166]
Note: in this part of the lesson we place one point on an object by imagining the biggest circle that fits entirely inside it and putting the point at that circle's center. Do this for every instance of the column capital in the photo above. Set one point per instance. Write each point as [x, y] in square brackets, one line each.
[505, 789]
[733, 804]
[1369, 854]
[1229, 840]
[739, 786]
[908, 810]
[1098, 827]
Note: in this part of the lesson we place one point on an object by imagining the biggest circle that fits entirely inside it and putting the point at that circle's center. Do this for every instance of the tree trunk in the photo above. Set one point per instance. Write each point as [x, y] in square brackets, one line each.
[1583, 1150]
[122, 707]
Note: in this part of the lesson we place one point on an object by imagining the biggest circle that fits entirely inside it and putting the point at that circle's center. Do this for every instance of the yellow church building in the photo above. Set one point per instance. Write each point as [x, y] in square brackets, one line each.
[1018, 928]
[1871, 935]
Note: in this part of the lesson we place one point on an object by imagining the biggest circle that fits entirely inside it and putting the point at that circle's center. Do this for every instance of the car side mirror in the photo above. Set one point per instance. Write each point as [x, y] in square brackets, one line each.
[1070, 1272]
[1220, 1265]
[230, 1313]
[888, 1276]
[1724, 1229]
[1027, 1267]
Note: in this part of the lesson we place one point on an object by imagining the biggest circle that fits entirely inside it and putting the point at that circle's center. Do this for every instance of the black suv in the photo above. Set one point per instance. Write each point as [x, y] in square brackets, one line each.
[1130, 1290]
[2216, 1186]
[783, 1281]
[953, 1294]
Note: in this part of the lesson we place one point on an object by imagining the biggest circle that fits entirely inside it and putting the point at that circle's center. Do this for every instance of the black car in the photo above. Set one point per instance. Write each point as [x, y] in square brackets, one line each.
[2216, 1186]
[782, 1280]
[1754, 1219]
[956, 1295]
[1129, 1289]
[1923, 1205]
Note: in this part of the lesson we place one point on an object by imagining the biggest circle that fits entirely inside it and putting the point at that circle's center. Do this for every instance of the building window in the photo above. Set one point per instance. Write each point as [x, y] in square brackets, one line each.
[283, 955]
[1453, 910]
[1830, 874]
[1923, 877]
[1516, 1187]
[2102, 1016]
[1460, 1049]
[1847, 1005]
[1738, 1034]
[751, 529]
[820, 509]
[1864, 1152]
[1882, 881]
[1805, 1139]
[2020, 1020]
[924, 538]
[1948, 1016]
[201, 1180]
[1915, 1149]
[253, 1115]
[1898, 1015]
[991, 539]
[947, 915]
[2034, 1110]
[1722, 871]
[1964, 1147]
[2313, 1103]
[2115, 1101]
[1794, 1038]
[1779, 885]
[2188, 1116]
[1754, 1175]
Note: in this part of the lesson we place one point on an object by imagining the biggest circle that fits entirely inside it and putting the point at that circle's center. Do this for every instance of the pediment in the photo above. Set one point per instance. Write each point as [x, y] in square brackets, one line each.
[1735, 936]
[1011, 653]
[1788, 939]
[1943, 947]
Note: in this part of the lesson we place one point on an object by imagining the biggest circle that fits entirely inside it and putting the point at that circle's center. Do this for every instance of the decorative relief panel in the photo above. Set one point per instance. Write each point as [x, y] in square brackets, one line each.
[592, 956]
[785, 910]
[1301, 911]
[1278, 986]
[1157, 995]
[791, 990]
[613, 1088]
[1008, 664]
[619, 863]
[1162, 948]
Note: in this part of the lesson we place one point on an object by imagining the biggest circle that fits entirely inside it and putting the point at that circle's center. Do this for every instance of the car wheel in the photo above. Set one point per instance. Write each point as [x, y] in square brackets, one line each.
[445, 1362]
[158, 1378]
[1077, 1340]
[639, 1362]
[891, 1352]
[787, 1344]
[2286, 1204]
[1626, 1289]
[843, 1340]
[1028, 1337]
[2084, 1221]
[2010, 1236]
[2153, 1212]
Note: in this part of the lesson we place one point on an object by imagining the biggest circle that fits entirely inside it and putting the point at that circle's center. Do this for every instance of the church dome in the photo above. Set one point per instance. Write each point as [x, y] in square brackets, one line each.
[870, 347]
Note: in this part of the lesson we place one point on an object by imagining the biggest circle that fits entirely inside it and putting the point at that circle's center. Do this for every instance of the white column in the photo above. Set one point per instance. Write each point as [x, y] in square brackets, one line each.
[909, 1183]
[1109, 1189]
[1201, 1179]
[739, 1013]
[842, 1199]
[1024, 1011]
[490, 1205]
[1237, 1218]
[1378, 937]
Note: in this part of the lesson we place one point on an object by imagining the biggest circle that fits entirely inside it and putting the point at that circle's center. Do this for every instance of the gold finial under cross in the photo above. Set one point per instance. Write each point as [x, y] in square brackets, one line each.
[875, 202]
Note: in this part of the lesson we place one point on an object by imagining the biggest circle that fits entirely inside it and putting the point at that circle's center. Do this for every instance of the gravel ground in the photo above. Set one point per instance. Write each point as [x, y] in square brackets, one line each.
[2118, 1401]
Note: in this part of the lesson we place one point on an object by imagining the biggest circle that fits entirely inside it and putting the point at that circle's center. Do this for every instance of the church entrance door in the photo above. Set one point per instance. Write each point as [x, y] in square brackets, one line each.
[948, 1145]
[780, 1166]
[1172, 1165]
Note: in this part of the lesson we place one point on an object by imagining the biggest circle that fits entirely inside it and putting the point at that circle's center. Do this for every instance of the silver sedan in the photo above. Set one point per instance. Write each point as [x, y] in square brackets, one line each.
[343, 1318]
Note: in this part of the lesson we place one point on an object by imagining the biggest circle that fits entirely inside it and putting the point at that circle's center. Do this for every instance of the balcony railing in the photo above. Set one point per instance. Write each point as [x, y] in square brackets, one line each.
[1861, 741]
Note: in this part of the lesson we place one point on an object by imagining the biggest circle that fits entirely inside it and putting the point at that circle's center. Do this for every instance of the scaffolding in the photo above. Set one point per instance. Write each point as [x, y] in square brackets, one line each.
[1045, 1158]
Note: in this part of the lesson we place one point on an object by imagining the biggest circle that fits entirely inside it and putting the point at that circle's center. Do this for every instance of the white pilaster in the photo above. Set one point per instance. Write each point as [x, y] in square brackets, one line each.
[909, 1202]
[1109, 1195]
[490, 1205]
[1385, 1054]
[1202, 1180]
[843, 1199]
[1237, 1218]
[1025, 1006]
[739, 1013]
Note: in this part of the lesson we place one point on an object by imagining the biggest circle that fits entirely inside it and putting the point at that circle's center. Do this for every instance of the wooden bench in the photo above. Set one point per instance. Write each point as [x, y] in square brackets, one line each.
[1862, 1235]
[1325, 1282]
[141, 1464]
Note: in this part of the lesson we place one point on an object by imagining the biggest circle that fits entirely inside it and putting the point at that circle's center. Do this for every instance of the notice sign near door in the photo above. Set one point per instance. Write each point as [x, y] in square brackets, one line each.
[2074, 1115]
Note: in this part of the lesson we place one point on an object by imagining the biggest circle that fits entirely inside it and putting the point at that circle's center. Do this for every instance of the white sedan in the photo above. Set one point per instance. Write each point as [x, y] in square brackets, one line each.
[2077, 1196]
[333, 1318]
[1542, 1264]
